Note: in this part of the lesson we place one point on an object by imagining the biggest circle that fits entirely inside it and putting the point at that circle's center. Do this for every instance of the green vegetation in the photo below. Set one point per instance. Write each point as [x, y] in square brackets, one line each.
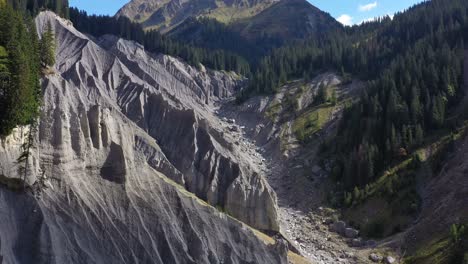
[228, 14]
[211, 34]
[273, 110]
[33, 7]
[47, 47]
[398, 181]
[449, 248]
[155, 42]
[312, 121]
[437, 252]
[404, 102]
[20, 59]
[389, 204]
[253, 34]
[19, 70]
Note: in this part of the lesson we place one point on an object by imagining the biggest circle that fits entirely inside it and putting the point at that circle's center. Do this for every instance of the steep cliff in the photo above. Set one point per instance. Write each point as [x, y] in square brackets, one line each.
[124, 139]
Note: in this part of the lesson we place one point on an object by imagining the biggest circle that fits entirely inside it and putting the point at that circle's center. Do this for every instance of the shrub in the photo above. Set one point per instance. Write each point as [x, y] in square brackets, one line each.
[375, 229]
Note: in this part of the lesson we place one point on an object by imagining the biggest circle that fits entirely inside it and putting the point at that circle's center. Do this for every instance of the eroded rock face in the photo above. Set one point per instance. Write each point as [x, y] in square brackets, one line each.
[16, 169]
[121, 133]
[179, 115]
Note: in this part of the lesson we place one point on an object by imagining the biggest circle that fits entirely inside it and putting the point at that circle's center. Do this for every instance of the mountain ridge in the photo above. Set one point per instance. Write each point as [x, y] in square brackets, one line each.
[95, 174]
[164, 15]
[254, 37]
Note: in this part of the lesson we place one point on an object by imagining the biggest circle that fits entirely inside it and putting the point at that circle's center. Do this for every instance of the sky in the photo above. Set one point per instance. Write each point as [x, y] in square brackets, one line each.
[99, 7]
[348, 12]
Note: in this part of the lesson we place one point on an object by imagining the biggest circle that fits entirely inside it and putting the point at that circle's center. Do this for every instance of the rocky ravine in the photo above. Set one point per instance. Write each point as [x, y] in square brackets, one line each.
[293, 171]
[121, 132]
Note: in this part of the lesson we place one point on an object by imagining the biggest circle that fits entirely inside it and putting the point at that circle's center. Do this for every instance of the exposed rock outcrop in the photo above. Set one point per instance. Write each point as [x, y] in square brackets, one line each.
[16, 168]
[121, 133]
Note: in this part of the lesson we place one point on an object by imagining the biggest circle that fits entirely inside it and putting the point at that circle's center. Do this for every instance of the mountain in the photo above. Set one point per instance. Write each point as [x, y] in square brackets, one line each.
[125, 162]
[287, 20]
[253, 37]
[331, 144]
[164, 15]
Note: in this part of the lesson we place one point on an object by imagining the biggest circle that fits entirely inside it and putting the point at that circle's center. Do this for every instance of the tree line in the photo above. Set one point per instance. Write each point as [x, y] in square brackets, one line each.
[417, 84]
[19, 69]
[414, 67]
[21, 55]
[155, 42]
[33, 7]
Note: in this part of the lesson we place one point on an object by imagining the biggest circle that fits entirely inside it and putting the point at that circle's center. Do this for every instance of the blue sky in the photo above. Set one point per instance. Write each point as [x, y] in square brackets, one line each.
[356, 11]
[99, 7]
[345, 11]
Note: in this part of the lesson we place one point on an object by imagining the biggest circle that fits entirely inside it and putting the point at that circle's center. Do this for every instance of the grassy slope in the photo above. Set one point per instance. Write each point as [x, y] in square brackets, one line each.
[389, 204]
[287, 19]
[312, 121]
[436, 252]
[222, 12]
[229, 14]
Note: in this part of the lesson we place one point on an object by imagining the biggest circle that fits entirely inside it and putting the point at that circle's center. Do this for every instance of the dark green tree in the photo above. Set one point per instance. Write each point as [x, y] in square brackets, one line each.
[47, 47]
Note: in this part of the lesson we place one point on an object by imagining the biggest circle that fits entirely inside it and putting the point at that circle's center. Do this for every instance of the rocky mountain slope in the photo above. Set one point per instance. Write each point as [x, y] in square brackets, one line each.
[166, 14]
[444, 191]
[249, 27]
[292, 19]
[254, 37]
[292, 170]
[124, 142]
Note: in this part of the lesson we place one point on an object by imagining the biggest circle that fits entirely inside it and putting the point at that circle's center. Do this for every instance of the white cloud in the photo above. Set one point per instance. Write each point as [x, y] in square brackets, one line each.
[345, 19]
[368, 7]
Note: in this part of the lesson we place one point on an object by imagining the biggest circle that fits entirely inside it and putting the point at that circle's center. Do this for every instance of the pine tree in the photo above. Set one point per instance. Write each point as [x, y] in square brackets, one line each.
[321, 96]
[333, 97]
[419, 134]
[47, 47]
[20, 90]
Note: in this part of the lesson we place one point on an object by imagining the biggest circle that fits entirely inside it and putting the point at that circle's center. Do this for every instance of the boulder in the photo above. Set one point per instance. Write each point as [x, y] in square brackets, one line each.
[390, 260]
[338, 227]
[375, 257]
[234, 129]
[371, 243]
[351, 233]
[357, 242]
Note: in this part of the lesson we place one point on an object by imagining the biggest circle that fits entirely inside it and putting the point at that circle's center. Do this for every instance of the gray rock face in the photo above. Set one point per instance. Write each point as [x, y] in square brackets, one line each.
[16, 174]
[179, 116]
[121, 134]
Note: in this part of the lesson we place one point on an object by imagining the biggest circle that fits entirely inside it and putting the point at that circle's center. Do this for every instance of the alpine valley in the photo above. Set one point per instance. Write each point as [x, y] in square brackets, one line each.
[232, 131]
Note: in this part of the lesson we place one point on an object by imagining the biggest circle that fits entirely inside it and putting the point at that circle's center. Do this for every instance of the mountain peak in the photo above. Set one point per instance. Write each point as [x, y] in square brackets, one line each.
[164, 15]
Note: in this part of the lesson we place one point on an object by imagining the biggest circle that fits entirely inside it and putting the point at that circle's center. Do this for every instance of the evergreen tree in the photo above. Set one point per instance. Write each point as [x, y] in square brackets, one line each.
[19, 70]
[322, 94]
[47, 47]
[333, 97]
